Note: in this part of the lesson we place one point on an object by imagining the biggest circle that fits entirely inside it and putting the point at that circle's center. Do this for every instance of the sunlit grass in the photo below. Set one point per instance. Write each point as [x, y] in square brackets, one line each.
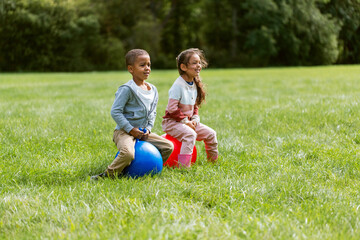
[288, 169]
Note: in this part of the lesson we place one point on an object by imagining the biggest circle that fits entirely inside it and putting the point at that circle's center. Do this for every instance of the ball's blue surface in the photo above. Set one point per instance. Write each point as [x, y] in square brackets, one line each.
[147, 160]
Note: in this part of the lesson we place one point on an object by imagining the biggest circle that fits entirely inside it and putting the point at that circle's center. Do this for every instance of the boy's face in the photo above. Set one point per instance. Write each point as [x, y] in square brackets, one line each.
[141, 68]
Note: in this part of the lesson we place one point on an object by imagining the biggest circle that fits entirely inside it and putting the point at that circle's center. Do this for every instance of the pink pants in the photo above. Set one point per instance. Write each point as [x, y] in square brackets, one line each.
[188, 136]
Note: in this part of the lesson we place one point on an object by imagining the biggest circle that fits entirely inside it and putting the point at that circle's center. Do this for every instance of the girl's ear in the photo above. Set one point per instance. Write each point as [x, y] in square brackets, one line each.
[183, 67]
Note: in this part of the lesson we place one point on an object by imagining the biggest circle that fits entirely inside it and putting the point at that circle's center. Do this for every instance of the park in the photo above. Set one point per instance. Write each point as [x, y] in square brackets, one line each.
[288, 132]
[288, 166]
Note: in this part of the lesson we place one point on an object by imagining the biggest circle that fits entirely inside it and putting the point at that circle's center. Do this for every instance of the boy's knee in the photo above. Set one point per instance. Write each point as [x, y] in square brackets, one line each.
[167, 150]
[169, 146]
[127, 155]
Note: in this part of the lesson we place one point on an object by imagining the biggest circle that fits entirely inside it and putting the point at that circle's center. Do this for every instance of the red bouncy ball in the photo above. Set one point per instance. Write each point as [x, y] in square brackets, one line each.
[173, 159]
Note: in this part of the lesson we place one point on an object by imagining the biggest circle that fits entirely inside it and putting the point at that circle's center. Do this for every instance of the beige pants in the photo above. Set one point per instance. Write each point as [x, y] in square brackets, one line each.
[126, 145]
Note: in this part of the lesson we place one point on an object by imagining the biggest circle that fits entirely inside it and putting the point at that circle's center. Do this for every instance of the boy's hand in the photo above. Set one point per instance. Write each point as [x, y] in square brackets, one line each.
[145, 136]
[136, 133]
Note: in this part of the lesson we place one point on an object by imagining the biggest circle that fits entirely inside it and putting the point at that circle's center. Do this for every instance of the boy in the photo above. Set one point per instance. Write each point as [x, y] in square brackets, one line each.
[134, 107]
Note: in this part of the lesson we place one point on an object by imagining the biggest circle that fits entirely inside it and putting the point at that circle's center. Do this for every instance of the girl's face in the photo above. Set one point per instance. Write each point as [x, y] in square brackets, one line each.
[193, 68]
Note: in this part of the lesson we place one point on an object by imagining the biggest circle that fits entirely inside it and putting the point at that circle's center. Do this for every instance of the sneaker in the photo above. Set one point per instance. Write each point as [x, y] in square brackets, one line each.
[98, 176]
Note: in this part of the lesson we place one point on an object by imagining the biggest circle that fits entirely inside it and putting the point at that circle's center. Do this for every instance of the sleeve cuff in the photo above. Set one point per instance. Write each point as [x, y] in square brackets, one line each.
[185, 120]
[196, 118]
[128, 128]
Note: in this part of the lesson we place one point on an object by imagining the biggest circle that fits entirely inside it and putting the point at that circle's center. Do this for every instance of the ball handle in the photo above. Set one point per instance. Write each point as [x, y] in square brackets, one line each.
[141, 129]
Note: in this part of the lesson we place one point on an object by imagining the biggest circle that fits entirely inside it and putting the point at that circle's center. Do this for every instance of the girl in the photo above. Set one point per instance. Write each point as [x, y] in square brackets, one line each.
[181, 118]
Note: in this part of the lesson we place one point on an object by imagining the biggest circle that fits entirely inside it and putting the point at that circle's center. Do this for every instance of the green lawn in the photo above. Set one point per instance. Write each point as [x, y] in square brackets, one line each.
[288, 169]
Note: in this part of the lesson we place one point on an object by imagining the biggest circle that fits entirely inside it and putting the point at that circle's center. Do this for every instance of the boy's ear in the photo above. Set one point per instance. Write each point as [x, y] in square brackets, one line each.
[183, 67]
[130, 68]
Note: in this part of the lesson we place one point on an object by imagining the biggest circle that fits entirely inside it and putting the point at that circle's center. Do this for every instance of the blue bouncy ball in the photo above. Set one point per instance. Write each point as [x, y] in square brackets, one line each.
[147, 160]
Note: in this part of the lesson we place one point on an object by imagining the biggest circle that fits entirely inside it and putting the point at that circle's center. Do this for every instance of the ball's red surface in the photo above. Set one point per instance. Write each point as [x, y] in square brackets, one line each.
[173, 159]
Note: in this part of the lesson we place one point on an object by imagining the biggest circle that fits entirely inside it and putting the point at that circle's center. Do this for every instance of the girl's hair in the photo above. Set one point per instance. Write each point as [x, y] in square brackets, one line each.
[131, 56]
[184, 58]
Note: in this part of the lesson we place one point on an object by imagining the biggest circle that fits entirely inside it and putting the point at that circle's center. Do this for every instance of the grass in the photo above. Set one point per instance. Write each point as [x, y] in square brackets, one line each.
[288, 169]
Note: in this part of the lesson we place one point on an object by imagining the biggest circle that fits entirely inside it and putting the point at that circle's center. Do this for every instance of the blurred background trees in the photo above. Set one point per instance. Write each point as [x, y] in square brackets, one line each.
[87, 35]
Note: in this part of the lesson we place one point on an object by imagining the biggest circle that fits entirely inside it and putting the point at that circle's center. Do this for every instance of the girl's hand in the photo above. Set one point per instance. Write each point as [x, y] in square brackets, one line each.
[191, 124]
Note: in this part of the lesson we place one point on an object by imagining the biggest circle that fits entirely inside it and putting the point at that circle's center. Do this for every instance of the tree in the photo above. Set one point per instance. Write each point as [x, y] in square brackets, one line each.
[50, 36]
[179, 30]
[347, 13]
[80, 35]
[220, 28]
[308, 37]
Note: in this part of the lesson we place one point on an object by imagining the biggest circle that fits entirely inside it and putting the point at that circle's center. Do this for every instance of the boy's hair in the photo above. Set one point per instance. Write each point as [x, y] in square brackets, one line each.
[131, 56]
[184, 58]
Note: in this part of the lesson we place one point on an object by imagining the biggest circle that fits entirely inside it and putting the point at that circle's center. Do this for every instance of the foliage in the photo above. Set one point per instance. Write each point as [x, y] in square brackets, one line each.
[40, 36]
[64, 35]
[288, 169]
[314, 37]
[269, 32]
[347, 12]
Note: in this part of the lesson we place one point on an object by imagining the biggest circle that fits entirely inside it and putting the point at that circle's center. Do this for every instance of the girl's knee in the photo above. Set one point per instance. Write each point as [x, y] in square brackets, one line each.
[212, 135]
[190, 137]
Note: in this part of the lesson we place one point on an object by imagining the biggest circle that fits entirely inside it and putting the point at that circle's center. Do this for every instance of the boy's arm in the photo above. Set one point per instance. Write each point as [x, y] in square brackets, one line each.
[121, 98]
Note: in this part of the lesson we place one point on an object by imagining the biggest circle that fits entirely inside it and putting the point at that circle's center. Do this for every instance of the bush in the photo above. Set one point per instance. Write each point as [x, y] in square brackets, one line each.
[40, 36]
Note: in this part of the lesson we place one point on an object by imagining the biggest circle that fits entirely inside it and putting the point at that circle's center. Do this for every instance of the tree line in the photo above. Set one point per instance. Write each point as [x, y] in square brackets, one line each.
[86, 35]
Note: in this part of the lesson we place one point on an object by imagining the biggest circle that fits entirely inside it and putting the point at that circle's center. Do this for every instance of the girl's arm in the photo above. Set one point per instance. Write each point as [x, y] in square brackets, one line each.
[196, 117]
[180, 105]
[173, 111]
